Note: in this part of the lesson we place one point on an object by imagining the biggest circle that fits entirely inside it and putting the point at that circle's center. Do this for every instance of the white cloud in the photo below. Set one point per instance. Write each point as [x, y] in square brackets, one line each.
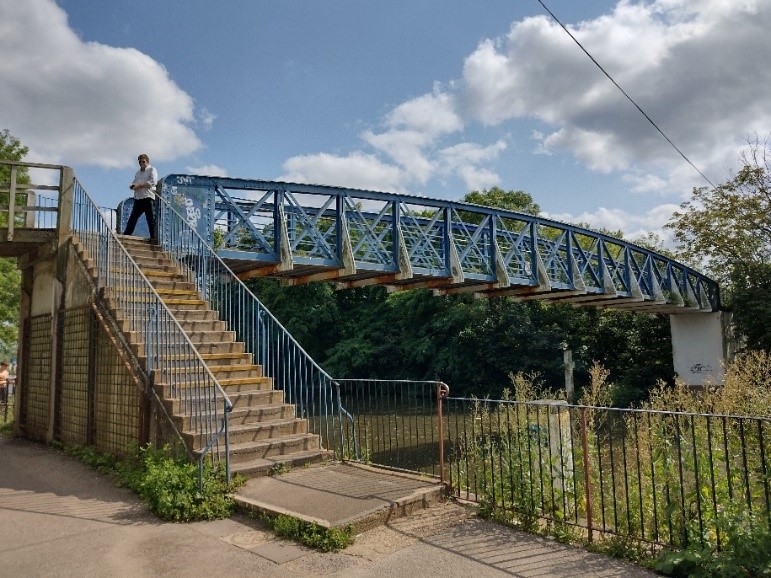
[697, 68]
[357, 170]
[83, 102]
[207, 170]
[632, 225]
[432, 114]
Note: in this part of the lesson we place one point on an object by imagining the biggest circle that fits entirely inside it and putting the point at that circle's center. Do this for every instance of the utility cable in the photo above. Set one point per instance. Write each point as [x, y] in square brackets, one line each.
[629, 98]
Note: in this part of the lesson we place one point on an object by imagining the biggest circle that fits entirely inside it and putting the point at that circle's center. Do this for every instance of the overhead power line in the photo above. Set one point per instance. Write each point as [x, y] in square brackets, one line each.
[629, 98]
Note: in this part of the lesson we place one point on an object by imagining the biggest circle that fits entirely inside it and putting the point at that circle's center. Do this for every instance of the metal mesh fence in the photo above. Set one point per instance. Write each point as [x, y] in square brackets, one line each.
[37, 378]
[117, 398]
[73, 407]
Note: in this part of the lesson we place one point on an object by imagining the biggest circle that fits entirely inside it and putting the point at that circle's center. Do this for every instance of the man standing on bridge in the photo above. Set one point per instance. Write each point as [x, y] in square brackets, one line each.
[144, 195]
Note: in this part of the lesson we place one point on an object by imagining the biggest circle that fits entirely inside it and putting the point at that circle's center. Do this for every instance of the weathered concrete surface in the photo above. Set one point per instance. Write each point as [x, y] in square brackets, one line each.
[336, 495]
[60, 518]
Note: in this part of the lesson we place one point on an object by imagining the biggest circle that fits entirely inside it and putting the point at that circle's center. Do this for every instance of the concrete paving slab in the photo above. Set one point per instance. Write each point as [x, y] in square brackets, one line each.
[336, 495]
[280, 552]
[60, 518]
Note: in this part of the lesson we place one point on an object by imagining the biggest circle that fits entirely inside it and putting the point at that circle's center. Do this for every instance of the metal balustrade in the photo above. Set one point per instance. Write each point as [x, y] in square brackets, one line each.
[354, 237]
[172, 363]
[307, 386]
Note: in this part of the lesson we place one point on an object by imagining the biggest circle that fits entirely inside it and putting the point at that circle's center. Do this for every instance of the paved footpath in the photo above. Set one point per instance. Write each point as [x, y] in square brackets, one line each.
[60, 518]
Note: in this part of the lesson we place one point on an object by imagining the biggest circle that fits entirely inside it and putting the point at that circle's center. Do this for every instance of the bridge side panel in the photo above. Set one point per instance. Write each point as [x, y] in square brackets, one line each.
[699, 347]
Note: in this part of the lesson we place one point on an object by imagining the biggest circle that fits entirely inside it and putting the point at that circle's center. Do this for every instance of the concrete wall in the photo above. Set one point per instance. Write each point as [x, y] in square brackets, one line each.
[699, 347]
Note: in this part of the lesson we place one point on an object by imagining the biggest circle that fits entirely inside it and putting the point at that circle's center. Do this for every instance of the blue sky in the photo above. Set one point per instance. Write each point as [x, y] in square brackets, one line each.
[432, 97]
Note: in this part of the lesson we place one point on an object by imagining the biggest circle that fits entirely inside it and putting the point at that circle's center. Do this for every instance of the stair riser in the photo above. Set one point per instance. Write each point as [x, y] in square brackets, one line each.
[256, 398]
[202, 325]
[187, 387]
[196, 315]
[249, 470]
[256, 415]
[166, 285]
[270, 449]
[256, 434]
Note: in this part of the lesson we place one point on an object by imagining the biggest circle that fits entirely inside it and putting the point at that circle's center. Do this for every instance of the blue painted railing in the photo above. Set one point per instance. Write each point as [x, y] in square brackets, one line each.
[353, 236]
[315, 395]
[172, 365]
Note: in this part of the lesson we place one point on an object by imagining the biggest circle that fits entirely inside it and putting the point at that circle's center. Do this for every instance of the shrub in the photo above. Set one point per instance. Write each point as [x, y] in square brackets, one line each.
[168, 485]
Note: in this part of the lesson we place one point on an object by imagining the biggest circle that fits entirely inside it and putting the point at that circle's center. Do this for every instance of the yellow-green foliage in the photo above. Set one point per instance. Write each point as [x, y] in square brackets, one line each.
[747, 391]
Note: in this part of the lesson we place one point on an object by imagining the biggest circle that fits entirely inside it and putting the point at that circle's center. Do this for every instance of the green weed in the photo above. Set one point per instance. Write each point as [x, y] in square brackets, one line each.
[168, 485]
[310, 534]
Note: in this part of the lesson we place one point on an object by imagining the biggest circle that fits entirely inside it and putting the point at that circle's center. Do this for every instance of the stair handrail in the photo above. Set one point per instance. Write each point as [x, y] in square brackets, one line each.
[306, 385]
[170, 354]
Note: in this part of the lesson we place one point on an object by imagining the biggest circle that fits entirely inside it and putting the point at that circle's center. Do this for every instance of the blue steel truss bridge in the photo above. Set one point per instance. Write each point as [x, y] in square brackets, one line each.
[302, 233]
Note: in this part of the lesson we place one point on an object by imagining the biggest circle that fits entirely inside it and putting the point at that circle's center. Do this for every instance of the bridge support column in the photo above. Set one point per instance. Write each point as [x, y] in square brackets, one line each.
[700, 347]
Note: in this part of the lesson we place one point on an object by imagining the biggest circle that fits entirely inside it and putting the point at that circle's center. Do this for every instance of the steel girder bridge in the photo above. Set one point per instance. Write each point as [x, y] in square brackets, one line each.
[302, 233]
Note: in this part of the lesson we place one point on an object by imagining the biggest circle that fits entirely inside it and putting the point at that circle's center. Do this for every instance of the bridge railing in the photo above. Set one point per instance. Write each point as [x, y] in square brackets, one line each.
[315, 395]
[370, 232]
[30, 194]
[170, 364]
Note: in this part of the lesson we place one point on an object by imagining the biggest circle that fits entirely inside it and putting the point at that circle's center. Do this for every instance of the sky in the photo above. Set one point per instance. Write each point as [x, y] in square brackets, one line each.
[428, 97]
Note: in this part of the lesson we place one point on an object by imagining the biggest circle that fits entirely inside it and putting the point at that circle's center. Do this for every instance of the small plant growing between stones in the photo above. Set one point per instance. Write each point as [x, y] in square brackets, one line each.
[311, 534]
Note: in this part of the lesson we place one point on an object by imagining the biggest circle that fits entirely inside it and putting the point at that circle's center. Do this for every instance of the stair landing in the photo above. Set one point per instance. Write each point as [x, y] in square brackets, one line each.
[336, 495]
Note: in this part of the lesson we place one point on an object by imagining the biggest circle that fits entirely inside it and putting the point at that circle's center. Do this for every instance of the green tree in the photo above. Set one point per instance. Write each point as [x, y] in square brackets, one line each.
[518, 201]
[11, 149]
[727, 230]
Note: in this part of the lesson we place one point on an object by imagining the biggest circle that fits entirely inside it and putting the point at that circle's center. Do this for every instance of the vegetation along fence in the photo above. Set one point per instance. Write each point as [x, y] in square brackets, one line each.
[665, 478]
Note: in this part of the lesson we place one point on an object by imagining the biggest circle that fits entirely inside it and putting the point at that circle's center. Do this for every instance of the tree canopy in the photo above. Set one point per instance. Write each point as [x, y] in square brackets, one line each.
[727, 231]
[474, 345]
[518, 201]
[11, 149]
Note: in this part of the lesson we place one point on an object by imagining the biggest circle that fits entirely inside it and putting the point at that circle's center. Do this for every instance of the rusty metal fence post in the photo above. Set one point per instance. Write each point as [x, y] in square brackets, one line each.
[587, 480]
[442, 392]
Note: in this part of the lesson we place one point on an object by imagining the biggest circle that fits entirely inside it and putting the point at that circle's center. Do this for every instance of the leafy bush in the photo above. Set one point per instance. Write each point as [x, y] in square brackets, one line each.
[747, 552]
[168, 485]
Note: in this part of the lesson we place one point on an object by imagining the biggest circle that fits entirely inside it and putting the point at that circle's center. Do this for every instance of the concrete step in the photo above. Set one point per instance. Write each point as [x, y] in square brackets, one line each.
[176, 304]
[257, 432]
[178, 406]
[287, 445]
[166, 285]
[198, 325]
[262, 467]
[342, 494]
[177, 384]
[195, 315]
[254, 399]
[172, 293]
[223, 348]
[151, 263]
[251, 415]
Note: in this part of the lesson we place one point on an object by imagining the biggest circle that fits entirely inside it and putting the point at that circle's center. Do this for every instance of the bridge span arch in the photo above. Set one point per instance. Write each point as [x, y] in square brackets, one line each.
[301, 233]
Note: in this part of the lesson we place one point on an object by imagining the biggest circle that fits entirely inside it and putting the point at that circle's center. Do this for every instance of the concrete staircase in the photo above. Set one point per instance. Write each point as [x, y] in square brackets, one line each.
[264, 431]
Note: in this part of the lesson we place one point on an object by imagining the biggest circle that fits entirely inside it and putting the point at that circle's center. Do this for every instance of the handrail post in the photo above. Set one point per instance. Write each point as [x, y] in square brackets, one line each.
[66, 199]
[442, 391]
[587, 487]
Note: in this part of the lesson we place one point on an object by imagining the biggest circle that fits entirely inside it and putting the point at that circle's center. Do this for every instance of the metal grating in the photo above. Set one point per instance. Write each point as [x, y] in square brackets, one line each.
[37, 389]
[116, 399]
[72, 418]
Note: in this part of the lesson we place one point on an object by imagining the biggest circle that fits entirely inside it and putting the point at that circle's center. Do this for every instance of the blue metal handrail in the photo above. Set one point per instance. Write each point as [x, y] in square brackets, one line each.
[172, 363]
[315, 395]
[364, 233]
